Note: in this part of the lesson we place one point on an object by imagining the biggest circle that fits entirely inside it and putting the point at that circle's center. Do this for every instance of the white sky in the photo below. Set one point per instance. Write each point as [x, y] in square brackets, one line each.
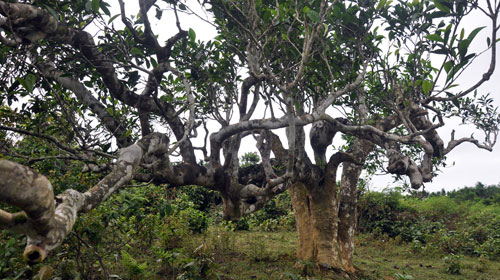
[466, 163]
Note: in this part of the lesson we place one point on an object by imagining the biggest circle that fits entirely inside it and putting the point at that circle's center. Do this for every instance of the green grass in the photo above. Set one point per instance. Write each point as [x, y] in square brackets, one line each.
[271, 255]
[383, 259]
[131, 238]
[249, 254]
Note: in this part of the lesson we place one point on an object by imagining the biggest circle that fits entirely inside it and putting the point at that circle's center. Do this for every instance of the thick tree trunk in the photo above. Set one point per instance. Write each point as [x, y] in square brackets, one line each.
[348, 201]
[326, 217]
[231, 208]
[347, 213]
[316, 217]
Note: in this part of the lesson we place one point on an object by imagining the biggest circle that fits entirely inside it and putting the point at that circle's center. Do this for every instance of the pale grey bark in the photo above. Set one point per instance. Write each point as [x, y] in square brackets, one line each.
[48, 219]
[48, 70]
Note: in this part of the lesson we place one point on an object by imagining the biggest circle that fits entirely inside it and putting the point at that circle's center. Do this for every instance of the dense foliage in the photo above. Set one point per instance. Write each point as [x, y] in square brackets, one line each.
[464, 221]
[175, 234]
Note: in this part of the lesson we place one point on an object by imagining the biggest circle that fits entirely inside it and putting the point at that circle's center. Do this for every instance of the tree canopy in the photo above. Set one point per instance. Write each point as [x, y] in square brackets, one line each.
[107, 90]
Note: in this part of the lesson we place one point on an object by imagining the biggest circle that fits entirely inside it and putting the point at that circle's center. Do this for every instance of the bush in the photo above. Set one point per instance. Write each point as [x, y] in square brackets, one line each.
[242, 224]
[11, 251]
[201, 197]
[438, 224]
[279, 206]
[491, 248]
[135, 270]
[439, 208]
[200, 265]
[490, 195]
[384, 213]
[452, 264]
[276, 215]
[197, 220]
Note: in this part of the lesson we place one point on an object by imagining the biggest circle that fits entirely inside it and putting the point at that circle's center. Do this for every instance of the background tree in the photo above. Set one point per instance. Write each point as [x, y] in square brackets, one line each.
[359, 68]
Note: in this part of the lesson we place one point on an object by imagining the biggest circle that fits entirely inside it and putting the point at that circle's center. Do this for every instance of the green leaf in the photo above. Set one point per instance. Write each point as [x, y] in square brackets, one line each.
[435, 37]
[463, 46]
[451, 86]
[28, 82]
[95, 5]
[166, 209]
[313, 16]
[474, 32]
[136, 51]
[441, 51]
[113, 18]
[447, 32]
[426, 86]
[104, 8]
[380, 4]
[440, 6]
[456, 69]
[153, 62]
[192, 35]
[448, 65]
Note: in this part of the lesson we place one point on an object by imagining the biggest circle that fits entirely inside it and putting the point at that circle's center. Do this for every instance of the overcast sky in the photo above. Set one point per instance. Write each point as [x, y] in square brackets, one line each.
[466, 164]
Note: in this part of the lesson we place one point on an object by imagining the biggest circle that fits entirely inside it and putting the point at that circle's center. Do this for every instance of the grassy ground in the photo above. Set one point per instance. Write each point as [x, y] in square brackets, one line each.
[271, 255]
[384, 260]
[125, 238]
[245, 255]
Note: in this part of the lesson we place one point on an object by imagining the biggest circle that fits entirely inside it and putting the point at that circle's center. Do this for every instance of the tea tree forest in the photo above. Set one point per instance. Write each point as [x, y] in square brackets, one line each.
[96, 98]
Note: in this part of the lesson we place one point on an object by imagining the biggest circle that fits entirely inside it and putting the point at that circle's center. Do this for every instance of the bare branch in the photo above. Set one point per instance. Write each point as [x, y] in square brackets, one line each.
[455, 142]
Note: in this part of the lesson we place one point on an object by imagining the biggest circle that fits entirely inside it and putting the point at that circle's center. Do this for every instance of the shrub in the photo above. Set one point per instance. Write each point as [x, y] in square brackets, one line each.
[481, 265]
[201, 197]
[135, 270]
[280, 206]
[490, 195]
[277, 214]
[11, 250]
[452, 264]
[200, 265]
[196, 219]
[491, 248]
[269, 225]
[385, 213]
[440, 208]
[436, 224]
